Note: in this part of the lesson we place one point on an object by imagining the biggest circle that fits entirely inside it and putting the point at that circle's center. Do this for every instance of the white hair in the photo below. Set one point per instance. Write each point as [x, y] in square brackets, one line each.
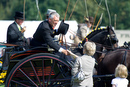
[54, 14]
[89, 48]
[49, 11]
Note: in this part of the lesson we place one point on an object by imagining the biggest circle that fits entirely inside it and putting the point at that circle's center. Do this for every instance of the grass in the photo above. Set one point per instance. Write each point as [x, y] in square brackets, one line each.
[2, 85]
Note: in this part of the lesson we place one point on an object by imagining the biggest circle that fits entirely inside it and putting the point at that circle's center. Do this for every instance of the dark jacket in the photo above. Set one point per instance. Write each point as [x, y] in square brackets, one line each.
[45, 35]
[14, 36]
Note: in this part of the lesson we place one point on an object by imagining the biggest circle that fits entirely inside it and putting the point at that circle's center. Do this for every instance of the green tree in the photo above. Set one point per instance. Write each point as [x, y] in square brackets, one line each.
[94, 8]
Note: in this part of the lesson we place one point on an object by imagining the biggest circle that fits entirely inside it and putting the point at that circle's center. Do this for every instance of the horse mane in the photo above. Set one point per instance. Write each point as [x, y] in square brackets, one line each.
[95, 32]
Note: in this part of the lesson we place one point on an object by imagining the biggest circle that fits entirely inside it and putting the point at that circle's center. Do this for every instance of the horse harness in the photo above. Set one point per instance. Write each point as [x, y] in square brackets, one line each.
[124, 57]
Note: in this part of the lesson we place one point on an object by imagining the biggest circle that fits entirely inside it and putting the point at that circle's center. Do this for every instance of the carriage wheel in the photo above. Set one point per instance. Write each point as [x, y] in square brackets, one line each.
[40, 70]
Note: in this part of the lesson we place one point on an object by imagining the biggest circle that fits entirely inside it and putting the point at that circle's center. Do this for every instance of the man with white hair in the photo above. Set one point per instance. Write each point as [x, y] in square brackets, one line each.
[44, 34]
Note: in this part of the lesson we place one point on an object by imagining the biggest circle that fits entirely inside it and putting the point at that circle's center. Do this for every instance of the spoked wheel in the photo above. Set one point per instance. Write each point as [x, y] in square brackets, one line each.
[40, 70]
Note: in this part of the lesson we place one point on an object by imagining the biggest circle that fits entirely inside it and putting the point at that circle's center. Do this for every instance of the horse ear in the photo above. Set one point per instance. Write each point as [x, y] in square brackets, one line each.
[109, 28]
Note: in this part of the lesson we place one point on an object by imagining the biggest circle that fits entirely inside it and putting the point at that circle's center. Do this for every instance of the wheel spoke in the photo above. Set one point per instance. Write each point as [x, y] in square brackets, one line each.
[43, 72]
[52, 67]
[35, 73]
[55, 78]
[20, 83]
[28, 77]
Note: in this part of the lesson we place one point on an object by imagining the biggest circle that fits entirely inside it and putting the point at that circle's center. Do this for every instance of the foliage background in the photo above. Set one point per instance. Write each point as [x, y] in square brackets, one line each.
[119, 10]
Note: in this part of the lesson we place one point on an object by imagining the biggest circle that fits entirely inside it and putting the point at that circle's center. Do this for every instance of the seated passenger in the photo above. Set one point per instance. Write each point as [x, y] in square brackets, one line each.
[15, 33]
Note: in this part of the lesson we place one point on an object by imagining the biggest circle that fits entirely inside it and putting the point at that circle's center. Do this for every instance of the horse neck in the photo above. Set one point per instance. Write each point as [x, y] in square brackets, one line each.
[99, 40]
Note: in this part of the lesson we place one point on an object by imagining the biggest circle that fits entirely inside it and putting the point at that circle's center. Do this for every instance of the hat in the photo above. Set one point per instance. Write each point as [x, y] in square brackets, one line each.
[63, 28]
[89, 19]
[49, 11]
[18, 15]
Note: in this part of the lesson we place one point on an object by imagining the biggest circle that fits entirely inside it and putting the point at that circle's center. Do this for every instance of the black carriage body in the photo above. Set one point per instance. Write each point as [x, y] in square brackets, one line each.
[37, 68]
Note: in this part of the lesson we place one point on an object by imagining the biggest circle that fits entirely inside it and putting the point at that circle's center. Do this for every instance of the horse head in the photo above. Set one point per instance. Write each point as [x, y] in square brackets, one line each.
[105, 37]
[112, 38]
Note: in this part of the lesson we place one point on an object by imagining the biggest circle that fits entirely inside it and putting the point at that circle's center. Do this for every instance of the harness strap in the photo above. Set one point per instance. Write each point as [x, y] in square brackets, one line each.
[101, 45]
[124, 58]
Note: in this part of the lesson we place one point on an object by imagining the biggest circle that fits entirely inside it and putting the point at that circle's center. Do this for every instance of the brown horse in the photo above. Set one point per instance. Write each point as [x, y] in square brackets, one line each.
[110, 61]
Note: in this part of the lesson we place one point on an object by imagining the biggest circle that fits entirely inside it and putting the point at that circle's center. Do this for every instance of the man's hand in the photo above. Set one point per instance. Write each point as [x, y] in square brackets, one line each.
[65, 52]
[23, 29]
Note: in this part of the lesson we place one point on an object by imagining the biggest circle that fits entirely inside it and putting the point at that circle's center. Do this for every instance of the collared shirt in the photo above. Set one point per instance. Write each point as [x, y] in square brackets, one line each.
[19, 27]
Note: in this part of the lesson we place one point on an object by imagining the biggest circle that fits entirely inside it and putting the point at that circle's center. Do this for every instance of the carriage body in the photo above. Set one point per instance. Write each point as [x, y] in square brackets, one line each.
[37, 67]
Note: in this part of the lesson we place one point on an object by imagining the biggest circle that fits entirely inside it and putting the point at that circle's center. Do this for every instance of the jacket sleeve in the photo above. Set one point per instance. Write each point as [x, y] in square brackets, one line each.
[11, 34]
[49, 39]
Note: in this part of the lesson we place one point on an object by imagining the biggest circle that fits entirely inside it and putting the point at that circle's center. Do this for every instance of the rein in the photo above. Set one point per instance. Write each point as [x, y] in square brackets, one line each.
[101, 52]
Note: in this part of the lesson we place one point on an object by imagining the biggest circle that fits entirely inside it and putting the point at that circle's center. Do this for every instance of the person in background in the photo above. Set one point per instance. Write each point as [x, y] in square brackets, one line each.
[83, 30]
[15, 33]
[44, 34]
[49, 11]
[121, 74]
[88, 63]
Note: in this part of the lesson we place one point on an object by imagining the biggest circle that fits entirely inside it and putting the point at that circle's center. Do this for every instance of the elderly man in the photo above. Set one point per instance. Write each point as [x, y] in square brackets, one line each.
[15, 33]
[44, 34]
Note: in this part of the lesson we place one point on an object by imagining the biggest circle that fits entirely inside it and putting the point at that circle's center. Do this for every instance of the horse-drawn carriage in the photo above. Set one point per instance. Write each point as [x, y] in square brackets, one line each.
[36, 67]
[40, 67]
